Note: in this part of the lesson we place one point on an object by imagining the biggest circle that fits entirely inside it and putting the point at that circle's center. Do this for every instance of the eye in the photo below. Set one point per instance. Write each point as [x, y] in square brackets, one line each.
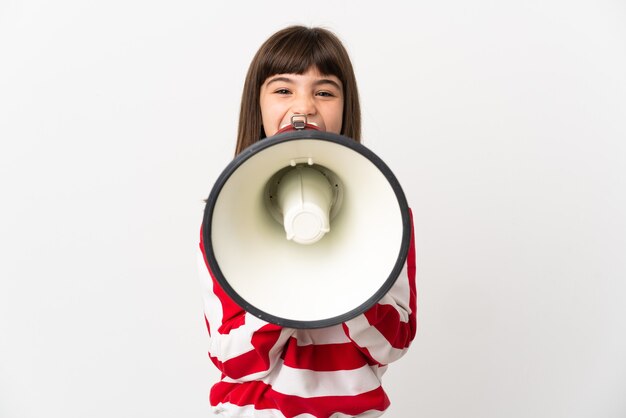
[282, 91]
[325, 94]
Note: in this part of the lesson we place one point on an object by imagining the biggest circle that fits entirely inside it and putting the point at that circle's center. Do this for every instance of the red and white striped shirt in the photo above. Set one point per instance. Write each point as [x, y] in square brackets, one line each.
[271, 371]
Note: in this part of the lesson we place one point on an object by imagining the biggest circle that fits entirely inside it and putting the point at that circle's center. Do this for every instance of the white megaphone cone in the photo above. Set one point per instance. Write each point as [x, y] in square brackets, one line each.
[315, 188]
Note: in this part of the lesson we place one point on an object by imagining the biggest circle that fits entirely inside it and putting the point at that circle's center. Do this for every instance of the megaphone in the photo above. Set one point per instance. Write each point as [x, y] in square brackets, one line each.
[306, 229]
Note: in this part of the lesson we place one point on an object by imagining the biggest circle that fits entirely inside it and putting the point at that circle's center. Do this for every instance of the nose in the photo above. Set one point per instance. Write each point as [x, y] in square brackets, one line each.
[304, 105]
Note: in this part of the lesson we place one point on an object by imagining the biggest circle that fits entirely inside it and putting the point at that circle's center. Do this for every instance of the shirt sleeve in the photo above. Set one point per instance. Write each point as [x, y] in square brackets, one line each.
[385, 331]
[242, 346]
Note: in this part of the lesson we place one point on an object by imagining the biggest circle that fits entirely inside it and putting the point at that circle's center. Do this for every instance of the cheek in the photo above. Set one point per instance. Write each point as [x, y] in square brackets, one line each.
[264, 108]
[265, 111]
[269, 110]
[270, 116]
[334, 120]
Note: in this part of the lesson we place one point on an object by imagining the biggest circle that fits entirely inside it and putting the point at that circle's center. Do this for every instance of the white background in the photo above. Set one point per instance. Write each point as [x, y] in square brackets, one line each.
[504, 121]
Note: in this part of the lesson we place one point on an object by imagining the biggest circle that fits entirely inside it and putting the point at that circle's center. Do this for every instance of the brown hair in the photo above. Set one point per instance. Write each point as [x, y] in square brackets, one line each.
[294, 50]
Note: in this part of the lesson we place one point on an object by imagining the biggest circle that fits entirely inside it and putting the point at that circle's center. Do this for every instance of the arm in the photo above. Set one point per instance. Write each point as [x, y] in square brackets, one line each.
[386, 330]
[241, 346]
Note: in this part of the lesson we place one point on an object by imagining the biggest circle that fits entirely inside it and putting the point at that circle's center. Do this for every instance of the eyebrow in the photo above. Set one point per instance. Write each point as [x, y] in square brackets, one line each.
[315, 83]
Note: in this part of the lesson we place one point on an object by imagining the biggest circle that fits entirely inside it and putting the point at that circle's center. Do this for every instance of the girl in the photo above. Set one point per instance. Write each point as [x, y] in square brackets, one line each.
[268, 370]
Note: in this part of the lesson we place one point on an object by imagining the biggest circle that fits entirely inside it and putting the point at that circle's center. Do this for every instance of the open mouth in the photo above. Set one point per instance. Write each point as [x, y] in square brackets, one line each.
[291, 127]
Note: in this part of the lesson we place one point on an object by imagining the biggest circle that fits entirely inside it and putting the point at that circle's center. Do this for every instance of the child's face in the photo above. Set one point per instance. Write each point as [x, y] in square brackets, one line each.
[318, 96]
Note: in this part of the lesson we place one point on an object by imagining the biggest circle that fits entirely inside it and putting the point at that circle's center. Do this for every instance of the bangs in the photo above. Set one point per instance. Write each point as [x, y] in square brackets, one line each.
[297, 53]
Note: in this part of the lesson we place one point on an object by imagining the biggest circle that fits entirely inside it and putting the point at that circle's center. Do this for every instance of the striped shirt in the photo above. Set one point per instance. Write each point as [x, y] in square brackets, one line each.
[272, 371]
